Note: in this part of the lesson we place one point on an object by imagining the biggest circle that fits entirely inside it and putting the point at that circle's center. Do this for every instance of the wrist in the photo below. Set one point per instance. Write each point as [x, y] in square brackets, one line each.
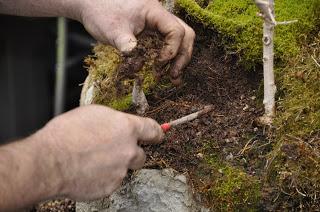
[71, 9]
[49, 169]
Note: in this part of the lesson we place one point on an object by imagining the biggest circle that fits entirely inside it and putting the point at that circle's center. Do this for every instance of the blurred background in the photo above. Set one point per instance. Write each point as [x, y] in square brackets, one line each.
[28, 72]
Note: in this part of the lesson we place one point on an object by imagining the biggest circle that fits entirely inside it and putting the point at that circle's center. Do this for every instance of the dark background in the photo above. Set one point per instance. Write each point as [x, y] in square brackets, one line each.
[27, 72]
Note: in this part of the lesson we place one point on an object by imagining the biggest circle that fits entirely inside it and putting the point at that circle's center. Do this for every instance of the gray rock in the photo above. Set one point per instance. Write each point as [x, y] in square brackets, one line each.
[149, 190]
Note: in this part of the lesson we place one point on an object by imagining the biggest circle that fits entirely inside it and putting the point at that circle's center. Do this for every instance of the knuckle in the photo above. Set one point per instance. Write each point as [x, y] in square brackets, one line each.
[181, 31]
[129, 124]
[122, 174]
[191, 33]
[152, 123]
[178, 31]
[131, 154]
[189, 56]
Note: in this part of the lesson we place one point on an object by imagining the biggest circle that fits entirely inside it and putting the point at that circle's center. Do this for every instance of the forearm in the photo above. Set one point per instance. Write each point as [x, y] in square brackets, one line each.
[27, 174]
[42, 8]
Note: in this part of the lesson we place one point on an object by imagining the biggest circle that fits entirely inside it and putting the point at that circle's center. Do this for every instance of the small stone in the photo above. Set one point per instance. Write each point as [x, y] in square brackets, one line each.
[220, 171]
[246, 107]
[148, 190]
[244, 160]
[227, 140]
[252, 109]
[194, 109]
[229, 157]
[200, 155]
[255, 129]
[253, 97]
[198, 133]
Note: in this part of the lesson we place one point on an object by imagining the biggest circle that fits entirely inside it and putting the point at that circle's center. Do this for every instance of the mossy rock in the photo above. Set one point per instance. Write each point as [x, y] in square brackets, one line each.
[112, 74]
[241, 29]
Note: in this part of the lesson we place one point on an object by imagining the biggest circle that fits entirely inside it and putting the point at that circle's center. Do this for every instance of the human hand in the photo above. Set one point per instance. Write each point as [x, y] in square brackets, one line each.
[95, 146]
[117, 22]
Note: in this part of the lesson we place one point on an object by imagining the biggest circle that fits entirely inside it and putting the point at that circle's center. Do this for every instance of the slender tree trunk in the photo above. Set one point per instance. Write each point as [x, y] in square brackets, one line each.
[267, 12]
[269, 84]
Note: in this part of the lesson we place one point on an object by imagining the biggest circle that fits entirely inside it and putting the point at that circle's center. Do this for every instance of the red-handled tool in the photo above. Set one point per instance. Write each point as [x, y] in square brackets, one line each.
[167, 126]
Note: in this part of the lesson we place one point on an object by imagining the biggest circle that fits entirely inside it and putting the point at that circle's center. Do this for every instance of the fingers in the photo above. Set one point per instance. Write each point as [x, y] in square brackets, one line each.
[138, 160]
[179, 39]
[184, 54]
[158, 18]
[146, 130]
[125, 41]
[120, 36]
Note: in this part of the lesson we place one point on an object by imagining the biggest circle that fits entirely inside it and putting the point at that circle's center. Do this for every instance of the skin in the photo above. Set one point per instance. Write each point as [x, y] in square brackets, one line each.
[117, 22]
[79, 155]
[84, 154]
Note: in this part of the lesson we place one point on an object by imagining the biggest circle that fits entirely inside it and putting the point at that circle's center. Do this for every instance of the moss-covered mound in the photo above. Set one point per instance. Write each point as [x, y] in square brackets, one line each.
[295, 161]
[112, 74]
[241, 29]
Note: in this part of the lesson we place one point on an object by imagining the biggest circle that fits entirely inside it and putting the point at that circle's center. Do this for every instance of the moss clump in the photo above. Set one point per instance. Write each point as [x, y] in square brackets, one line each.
[241, 29]
[229, 188]
[112, 74]
[299, 108]
[295, 171]
[295, 160]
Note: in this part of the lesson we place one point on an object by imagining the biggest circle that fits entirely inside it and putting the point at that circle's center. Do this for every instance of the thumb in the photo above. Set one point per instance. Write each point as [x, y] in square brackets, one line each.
[147, 130]
[125, 41]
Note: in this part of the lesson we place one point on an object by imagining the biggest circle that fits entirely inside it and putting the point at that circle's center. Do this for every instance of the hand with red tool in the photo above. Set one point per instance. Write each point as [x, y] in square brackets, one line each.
[83, 154]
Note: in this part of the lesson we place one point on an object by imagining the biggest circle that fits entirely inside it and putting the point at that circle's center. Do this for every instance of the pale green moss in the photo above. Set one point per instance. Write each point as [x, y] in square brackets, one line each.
[103, 63]
[102, 67]
[121, 103]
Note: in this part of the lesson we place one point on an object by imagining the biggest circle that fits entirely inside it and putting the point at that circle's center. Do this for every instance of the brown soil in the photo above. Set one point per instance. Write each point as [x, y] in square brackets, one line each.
[229, 132]
[147, 49]
[61, 205]
[210, 79]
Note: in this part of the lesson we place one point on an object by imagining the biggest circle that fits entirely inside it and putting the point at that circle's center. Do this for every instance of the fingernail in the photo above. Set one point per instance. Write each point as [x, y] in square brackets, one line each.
[166, 54]
[176, 81]
[174, 73]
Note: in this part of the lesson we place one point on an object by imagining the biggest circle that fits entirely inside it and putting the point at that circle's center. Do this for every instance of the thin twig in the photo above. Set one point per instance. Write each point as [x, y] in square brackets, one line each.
[245, 146]
[302, 194]
[286, 22]
[315, 61]
[263, 145]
